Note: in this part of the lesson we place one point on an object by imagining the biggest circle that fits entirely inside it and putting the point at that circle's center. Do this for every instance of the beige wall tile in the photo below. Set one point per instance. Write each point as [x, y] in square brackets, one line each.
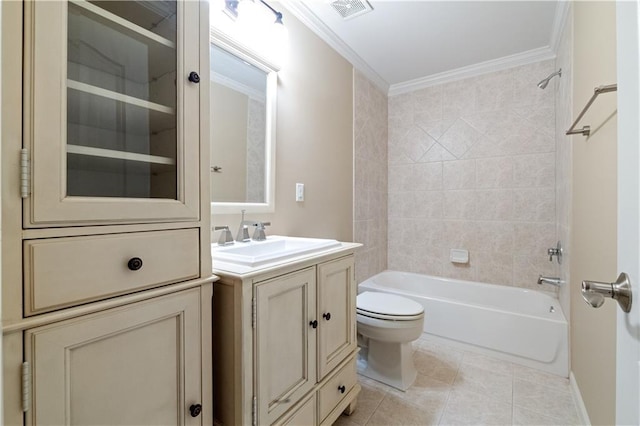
[495, 172]
[459, 174]
[489, 177]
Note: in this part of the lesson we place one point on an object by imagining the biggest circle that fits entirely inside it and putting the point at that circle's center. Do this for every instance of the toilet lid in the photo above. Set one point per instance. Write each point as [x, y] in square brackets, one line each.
[388, 304]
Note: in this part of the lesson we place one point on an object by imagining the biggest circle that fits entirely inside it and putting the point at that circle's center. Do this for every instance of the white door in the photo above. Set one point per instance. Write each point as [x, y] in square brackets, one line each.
[628, 339]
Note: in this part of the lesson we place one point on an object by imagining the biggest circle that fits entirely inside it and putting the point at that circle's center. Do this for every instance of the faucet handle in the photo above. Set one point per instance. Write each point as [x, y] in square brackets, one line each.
[225, 236]
[259, 234]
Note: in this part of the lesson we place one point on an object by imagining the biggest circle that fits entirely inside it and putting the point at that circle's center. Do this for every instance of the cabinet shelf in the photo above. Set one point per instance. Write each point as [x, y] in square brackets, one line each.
[123, 22]
[119, 155]
[109, 94]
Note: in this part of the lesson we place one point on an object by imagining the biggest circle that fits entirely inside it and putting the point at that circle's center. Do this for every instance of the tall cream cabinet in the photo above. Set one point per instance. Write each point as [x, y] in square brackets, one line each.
[106, 265]
[286, 339]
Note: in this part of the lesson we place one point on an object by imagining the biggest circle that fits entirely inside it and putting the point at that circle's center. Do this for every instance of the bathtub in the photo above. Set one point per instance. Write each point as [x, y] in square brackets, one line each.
[526, 327]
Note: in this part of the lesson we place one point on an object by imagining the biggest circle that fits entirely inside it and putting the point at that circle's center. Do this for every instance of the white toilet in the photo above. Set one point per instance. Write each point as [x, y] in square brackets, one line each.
[387, 324]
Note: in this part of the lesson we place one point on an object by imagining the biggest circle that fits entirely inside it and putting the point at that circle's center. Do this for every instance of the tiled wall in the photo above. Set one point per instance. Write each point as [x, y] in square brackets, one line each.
[370, 188]
[564, 107]
[472, 166]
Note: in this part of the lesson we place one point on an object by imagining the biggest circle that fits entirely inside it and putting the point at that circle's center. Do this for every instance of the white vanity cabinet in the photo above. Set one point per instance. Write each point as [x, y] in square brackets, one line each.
[286, 340]
[106, 265]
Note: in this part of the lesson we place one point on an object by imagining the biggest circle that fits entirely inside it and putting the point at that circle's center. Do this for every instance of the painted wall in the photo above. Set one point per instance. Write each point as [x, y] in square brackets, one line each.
[370, 177]
[472, 166]
[314, 135]
[593, 227]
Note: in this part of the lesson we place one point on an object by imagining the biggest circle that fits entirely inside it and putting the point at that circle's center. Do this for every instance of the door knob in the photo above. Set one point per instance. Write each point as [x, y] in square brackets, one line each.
[594, 292]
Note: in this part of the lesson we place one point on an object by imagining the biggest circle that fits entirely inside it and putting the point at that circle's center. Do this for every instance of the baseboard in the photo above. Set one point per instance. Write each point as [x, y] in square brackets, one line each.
[583, 416]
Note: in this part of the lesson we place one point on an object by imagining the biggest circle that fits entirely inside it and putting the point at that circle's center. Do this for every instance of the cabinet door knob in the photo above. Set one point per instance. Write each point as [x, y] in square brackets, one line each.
[313, 324]
[195, 410]
[327, 316]
[134, 263]
[342, 389]
[194, 77]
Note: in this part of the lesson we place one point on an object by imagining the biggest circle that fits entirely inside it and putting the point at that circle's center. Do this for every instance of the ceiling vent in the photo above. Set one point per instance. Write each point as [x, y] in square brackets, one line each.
[350, 9]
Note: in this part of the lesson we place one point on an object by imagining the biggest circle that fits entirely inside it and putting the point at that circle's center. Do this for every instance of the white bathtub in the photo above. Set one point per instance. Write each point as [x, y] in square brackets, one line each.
[522, 326]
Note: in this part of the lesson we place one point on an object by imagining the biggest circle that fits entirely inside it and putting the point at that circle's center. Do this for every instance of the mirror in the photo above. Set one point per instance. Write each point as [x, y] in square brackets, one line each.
[243, 91]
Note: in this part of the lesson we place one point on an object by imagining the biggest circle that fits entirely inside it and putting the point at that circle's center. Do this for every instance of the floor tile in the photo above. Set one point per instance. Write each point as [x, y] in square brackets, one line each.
[470, 408]
[524, 417]
[541, 378]
[395, 411]
[477, 380]
[456, 387]
[488, 363]
[369, 398]
[426, 392]
[344, 420]
[437, 364]
[544, 400]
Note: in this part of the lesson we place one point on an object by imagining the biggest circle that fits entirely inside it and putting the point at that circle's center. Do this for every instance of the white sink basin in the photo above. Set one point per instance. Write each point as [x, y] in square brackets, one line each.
[243, 257]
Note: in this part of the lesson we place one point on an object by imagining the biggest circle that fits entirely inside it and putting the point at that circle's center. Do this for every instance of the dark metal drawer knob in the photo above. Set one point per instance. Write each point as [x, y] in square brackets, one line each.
[134, 263]
[195, 410]
[327, 316]
[313, 324]
[342, 389]
[194, 77]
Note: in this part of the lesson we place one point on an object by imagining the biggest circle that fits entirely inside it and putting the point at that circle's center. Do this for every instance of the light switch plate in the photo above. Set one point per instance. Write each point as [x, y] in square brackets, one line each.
[299, 191]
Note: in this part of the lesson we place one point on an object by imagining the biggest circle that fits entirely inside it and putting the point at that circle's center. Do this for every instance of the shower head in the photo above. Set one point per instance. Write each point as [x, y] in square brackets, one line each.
[543, 84]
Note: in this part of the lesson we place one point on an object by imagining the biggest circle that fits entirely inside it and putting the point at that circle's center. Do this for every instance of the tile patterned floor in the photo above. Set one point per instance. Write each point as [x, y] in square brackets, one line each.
[456, 387]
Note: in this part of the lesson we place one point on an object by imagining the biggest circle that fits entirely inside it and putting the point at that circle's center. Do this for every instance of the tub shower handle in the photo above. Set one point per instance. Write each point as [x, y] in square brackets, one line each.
[327, 316]
[594, 292]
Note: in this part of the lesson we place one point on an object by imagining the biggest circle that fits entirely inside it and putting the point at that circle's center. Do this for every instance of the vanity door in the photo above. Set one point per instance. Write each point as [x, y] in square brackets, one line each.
[111, 111]
[285, 342]
[336, 313]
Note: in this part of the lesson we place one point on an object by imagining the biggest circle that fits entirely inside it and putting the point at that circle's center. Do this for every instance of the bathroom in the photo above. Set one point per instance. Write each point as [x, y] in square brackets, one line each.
[506, 201]
[463, 172]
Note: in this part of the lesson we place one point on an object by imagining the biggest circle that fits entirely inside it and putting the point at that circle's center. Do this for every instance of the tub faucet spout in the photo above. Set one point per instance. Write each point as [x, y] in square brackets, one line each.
[550, 280]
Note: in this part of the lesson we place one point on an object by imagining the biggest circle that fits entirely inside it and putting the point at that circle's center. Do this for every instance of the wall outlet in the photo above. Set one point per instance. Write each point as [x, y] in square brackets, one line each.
[299, 192]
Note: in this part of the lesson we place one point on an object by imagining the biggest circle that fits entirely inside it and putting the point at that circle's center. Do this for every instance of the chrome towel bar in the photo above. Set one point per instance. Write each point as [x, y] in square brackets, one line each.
[586, 130]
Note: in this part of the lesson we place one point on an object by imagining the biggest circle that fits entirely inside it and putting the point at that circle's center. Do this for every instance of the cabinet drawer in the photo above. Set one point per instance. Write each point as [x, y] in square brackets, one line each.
[61, 272]
[336, 388]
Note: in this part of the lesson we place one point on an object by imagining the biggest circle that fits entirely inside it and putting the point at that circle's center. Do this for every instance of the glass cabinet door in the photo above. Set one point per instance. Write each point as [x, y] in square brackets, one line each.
[113, 111]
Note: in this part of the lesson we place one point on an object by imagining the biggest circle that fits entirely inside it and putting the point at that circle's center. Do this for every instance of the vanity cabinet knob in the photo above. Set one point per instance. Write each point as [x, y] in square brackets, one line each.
[195, 410]
[327, 316]
[342, 389]
[194, 77]
[313, 324]
[134, 263]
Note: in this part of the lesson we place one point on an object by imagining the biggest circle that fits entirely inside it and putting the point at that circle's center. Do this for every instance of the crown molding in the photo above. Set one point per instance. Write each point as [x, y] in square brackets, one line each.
[301, 11]
[559, 22]
[511, 61]
[308, 18]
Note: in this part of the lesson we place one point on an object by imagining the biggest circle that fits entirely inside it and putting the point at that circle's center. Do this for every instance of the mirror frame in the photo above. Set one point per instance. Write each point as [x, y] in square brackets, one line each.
[224, 42]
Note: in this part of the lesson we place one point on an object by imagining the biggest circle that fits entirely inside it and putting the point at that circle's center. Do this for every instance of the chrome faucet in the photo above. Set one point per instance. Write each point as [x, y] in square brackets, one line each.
[243, 230]
[550, 280]
[225, 236]
[259, 234]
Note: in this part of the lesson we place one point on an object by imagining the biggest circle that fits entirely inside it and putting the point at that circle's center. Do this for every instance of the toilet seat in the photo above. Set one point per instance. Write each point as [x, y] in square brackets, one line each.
[386, 306]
